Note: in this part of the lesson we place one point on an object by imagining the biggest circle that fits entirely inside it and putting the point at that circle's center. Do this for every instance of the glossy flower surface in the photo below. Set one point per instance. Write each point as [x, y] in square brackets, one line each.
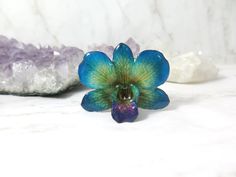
[124, 83]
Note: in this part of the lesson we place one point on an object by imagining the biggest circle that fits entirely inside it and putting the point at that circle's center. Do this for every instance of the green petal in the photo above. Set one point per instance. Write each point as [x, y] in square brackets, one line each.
[153, 99]
[97, 100]
[123, 60]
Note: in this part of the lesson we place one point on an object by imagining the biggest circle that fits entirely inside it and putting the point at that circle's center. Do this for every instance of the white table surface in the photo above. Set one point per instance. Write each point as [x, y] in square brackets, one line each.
[195, 136]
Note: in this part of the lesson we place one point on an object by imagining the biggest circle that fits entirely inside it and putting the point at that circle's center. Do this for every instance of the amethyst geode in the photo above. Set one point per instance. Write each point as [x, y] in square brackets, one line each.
[29, 70]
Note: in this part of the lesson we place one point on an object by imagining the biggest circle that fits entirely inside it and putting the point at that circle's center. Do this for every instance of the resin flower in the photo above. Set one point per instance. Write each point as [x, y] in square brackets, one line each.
[124, 83]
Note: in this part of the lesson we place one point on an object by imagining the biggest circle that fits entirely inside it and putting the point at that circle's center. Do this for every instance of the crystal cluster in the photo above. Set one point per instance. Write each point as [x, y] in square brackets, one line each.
[29, 70]
[191, 68]
[108, 49]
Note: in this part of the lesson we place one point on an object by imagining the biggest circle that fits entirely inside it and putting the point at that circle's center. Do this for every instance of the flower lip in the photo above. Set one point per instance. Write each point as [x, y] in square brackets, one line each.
[127, 112]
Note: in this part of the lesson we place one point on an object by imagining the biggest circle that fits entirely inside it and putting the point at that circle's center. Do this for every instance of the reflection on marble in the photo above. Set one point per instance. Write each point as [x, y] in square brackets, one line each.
[174, 27]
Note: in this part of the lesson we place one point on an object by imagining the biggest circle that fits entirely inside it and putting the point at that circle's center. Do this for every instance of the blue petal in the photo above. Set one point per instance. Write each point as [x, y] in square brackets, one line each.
[97, 70]
[151, 69]
[124, 112]
[153, 99]
[123, 52]
[123, 60]
[97, 100]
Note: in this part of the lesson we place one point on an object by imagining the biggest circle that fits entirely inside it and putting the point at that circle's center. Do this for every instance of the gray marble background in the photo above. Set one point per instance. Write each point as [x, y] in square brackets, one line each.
[174, 27]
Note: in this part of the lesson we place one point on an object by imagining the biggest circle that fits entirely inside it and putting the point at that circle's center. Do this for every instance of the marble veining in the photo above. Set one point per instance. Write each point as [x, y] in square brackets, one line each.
[174, 27]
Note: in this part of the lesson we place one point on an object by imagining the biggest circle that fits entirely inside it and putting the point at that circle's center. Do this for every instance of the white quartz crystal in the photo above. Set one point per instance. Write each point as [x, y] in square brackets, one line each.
[191, 68]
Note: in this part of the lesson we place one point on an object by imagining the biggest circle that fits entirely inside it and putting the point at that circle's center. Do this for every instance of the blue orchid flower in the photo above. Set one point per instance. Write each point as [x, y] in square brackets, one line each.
[124, 83]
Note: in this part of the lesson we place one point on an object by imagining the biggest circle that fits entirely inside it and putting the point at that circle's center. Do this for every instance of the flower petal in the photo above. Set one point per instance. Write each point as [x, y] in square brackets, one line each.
[124, 112]
[151, 69]
[153, 99]
[97, 70]
[97, 100]
[123, 60]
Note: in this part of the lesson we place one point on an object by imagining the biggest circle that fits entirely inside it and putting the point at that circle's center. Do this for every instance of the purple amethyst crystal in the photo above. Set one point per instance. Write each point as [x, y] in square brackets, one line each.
[134, 46]
[29, 70]
[108, 50]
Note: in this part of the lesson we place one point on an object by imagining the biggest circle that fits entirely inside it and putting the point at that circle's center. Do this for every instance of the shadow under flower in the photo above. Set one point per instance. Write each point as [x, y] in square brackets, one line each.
[175, 102]
[144, 114]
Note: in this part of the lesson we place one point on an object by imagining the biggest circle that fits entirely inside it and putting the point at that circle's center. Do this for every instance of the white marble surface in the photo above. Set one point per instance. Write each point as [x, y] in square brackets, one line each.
[175, 27]
[195, 136]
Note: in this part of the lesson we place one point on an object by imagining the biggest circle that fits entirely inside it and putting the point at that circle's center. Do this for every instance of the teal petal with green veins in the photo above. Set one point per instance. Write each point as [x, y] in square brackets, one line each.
[153, 99]
[124, 84]
[97, 70]
[150, 70]
[123, 60]
[97, 100]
